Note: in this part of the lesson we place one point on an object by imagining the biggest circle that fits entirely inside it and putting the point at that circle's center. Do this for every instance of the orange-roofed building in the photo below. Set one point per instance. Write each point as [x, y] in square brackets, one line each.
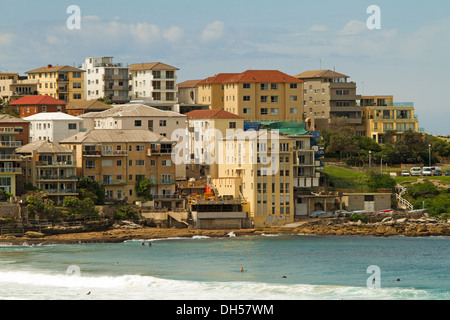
[31, 105]
[255, 95]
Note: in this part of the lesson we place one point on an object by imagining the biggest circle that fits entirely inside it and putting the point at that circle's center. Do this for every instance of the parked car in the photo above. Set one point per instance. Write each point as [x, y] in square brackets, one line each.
[426, 171]
[405, 173]
[437, 171]
[447, 172]
[416, 171]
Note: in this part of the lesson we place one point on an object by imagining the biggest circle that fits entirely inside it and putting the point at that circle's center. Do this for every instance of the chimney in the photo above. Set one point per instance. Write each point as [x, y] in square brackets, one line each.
[49, 66]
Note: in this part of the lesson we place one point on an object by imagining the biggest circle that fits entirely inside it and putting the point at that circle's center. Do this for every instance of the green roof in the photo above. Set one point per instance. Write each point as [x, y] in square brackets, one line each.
[289, 128]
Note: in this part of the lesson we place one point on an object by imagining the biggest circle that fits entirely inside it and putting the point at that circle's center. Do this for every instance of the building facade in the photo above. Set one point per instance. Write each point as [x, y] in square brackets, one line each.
[154, 81]
[64, 83]
[53, 126]
[82, 107]
[49, 167]
[327, 95]
[258, 168]
[31, 105]
[13, 87]
[255, 95]
[206, 129]
[120, 158]
[106, 79]
[381, 114]
[14, 133]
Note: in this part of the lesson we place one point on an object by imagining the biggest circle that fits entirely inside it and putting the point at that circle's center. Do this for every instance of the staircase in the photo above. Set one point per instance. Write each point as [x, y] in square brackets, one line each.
[401, 190]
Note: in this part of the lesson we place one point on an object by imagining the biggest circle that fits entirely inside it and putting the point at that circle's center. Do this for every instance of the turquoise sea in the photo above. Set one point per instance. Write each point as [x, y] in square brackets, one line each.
[295, 267]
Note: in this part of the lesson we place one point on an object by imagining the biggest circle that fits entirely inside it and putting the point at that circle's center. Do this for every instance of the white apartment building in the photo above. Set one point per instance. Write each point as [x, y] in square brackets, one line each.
[53, 126]
[105, 79]
[154, 81]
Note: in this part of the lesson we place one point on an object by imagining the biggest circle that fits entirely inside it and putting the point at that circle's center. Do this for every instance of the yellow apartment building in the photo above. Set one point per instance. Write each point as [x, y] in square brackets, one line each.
[120, 158]
[206, 130]
[255, 95]
[258, 166]
[64, 83]
[49, 167]
[381, 114]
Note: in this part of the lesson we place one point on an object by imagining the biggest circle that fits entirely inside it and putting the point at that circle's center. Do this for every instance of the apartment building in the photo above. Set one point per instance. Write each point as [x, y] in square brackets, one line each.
[31, 105]
[155, 81]
[120, 158]
[49, 167]
[106, 79]
[381, 114]
[53, 126]
[206, 129]
[14, 133]
[13, 87]
[64, 83]
[328, 94]
[258, 168]
[255, 95]
[188, 92]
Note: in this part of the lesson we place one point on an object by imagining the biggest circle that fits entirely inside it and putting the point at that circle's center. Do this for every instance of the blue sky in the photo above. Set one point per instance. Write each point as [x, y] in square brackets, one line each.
[407, 58]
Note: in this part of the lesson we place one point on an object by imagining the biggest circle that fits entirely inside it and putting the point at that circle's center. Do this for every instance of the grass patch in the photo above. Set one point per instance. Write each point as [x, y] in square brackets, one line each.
[343, 178]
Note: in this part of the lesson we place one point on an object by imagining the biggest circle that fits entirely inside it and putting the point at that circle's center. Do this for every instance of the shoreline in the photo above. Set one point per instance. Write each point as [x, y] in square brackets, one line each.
[324, 227]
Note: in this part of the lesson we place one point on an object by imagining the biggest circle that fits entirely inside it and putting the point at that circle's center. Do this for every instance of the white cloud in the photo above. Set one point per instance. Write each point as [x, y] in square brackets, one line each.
[213, 31]
[354, 27]
[318, 27]
[173, 34]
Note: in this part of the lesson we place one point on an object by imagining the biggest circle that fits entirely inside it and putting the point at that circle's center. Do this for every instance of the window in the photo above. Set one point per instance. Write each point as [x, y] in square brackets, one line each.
[166, 179]
[140, 148]
[246, 98]
[232, 125]
[247, 110]
[247, 85]
[274, 99]
[264, 99]
[140, 163]
[72, 126]
[90, 164]
[76, 75]
[274, 111]
[293, 110]
[138, 123]
[163, 123]
[274, 86]
[153, 163]
[77, 85]
[264, 86]
[293, 98]
[342, 92]
[107, 163]
[293, 86]
[166, 163]
[264, 111]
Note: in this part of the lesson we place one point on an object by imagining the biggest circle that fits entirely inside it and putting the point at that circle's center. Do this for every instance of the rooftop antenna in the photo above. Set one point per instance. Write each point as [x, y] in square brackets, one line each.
[320, 64]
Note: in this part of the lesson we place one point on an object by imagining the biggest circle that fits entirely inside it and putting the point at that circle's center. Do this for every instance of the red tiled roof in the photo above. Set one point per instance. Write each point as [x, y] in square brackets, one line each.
[217, 79]
[269, 76]
[37, 100]
[212, 114]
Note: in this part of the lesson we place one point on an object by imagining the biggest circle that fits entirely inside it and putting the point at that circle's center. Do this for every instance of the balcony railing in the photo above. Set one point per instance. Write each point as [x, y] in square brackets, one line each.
[10, 170]
[117, 153]
[92, 153]
[10, 157]
[10, 144]
[57, 164]
[63, 191]
[57, 178]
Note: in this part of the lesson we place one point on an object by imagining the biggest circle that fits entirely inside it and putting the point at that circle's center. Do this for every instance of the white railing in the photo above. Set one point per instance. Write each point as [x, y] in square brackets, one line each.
[401, 190]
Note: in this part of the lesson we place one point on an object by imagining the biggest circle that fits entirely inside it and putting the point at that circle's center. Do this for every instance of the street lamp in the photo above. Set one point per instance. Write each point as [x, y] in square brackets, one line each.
[429, 155]
[370, 159]
[381, 166]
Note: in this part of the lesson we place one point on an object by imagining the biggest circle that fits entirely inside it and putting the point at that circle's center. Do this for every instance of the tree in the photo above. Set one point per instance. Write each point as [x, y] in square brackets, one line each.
[125, 212]
[91, 188]
[84, 207]
[381, 181]
[143, 188]
[45, 208]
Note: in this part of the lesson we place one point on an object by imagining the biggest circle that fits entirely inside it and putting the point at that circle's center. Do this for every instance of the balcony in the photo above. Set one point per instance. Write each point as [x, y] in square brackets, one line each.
[56, 164]
[92, 153]
[62, 79]
[7, 130]
[10, 157]
[117, 153]
[57, 178]
[60, 192]
[11, 170]
[109, 182]
[10, 144]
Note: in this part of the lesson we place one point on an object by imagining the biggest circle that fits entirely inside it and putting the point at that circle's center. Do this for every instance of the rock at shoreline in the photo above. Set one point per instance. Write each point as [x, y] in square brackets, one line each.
[34, 235]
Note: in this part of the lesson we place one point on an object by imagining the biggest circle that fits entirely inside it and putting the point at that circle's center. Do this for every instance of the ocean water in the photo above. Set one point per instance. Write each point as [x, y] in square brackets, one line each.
[295, 267]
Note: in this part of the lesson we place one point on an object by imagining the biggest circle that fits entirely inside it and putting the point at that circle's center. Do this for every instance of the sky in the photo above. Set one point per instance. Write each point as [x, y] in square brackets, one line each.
[408, 57]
